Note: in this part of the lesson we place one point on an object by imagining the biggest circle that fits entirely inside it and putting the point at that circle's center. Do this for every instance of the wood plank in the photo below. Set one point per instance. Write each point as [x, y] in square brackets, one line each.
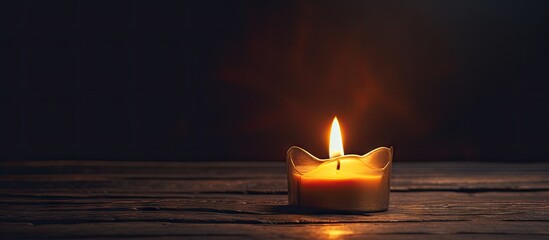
[453, 230]
[225, 208]
[228, 200]
[268, 178]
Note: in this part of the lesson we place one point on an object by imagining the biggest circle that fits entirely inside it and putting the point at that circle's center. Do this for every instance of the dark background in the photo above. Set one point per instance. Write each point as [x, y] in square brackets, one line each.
[245, 80]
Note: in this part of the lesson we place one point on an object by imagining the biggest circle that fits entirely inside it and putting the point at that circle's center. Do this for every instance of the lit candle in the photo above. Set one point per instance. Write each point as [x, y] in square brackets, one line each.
[342, 182]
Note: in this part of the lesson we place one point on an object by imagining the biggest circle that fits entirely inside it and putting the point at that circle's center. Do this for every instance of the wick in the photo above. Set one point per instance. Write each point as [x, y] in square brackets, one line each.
[338, 164]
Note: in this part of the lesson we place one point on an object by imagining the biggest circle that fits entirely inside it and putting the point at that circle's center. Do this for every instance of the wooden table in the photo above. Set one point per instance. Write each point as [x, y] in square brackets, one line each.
[234, 200]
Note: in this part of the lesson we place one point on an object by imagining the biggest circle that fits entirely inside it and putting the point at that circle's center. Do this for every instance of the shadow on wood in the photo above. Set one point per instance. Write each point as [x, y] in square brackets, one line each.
[287, 209]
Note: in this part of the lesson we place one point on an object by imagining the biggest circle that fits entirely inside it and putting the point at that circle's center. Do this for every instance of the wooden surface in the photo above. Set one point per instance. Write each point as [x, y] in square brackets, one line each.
[234, 200]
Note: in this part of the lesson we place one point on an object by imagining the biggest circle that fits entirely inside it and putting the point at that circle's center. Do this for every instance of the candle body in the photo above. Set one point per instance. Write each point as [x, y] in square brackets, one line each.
[356, 186]
[350, 194]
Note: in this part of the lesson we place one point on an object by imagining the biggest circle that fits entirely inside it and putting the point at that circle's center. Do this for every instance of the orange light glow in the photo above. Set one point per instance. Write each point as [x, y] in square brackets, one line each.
[336, 233]
[336, 144]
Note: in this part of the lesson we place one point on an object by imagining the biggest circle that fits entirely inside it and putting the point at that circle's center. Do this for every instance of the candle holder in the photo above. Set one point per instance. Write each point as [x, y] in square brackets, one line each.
[344, 183]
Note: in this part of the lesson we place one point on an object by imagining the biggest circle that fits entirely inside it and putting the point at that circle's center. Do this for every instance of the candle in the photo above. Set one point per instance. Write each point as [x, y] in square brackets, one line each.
[342, 182]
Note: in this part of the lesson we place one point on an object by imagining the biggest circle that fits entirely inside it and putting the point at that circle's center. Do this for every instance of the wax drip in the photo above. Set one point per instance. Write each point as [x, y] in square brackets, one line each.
[338, 164]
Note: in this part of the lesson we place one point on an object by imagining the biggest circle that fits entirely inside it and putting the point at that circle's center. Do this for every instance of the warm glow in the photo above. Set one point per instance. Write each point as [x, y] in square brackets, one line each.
[336, 144]
[336, 234]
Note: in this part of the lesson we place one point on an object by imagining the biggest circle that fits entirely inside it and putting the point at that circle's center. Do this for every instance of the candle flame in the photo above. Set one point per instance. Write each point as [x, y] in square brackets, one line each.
[336, 144]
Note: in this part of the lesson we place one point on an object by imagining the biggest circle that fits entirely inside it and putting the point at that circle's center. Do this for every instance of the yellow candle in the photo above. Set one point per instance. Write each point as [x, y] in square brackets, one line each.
[343, 182]
[348, 188]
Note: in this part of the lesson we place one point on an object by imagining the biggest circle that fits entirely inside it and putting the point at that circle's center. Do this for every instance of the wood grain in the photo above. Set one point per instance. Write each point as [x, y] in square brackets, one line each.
[234, 200]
